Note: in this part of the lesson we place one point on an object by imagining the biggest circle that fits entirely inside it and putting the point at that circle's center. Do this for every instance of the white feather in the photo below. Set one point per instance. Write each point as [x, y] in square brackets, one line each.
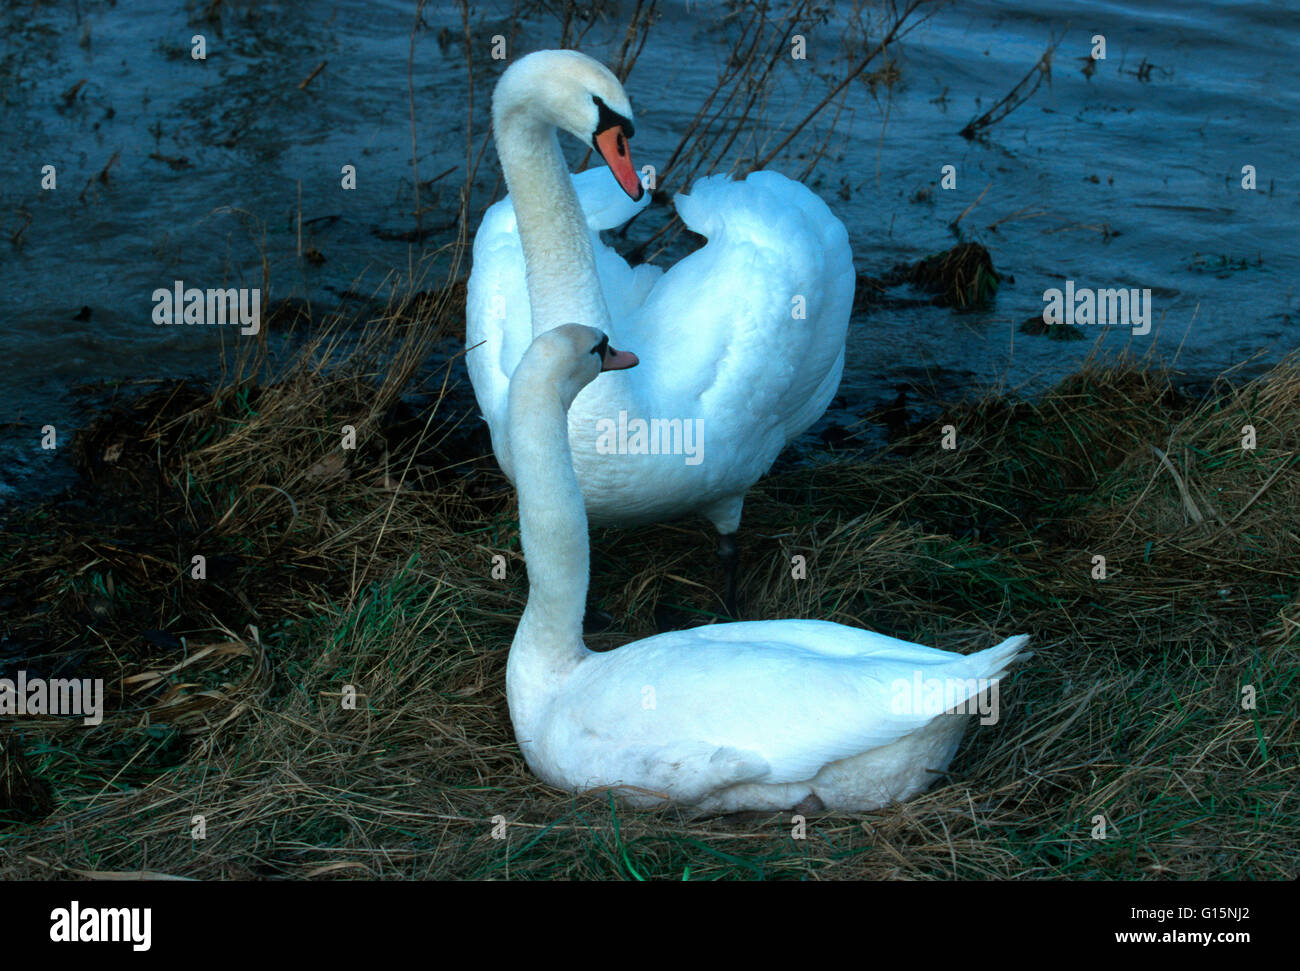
[746, 334]
[755, 715]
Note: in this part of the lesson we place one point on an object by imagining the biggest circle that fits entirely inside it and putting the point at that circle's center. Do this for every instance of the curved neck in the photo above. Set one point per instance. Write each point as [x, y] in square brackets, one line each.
[553, 529]
[563, 287]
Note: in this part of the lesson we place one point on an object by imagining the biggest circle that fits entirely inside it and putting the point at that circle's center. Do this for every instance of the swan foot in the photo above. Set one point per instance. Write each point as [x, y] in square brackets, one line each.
[729, 554]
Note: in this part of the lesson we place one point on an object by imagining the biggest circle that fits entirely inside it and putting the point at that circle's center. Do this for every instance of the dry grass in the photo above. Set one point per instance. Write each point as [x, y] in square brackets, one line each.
[369, 570]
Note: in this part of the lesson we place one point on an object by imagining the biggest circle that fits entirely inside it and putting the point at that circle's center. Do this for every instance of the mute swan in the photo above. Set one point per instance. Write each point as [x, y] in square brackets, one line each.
[757, 715]
[744, 338]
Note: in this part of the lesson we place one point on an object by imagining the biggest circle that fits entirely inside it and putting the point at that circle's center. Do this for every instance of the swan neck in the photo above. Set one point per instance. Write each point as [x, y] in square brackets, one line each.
[553, 530]
[563, 287]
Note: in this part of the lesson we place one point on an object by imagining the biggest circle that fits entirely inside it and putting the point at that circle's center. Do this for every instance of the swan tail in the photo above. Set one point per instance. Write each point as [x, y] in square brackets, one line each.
[957, 685]
[991, 664]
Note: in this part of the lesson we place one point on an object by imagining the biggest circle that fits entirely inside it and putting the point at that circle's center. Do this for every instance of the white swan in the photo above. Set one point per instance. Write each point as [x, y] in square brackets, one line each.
[758, 715]
[744, 338]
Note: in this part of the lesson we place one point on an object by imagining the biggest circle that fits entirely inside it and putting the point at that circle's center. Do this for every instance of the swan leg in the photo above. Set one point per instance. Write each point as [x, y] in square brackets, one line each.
[725, 516]
[729, 554]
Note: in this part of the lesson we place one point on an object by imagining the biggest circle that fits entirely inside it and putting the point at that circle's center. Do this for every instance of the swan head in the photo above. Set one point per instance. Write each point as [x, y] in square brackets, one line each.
[574, 92]
[567, 359]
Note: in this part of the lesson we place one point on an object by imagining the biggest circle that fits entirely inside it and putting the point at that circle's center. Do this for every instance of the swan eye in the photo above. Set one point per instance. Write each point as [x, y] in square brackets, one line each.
[600, 348]
[607, 118]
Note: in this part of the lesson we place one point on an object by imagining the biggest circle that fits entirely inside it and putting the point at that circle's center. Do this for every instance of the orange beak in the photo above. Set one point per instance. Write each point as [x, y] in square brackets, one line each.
[613, 360]
[612, 146]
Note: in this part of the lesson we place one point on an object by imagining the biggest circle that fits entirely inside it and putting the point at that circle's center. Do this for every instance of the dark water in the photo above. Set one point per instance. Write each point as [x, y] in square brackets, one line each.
[1130, 178]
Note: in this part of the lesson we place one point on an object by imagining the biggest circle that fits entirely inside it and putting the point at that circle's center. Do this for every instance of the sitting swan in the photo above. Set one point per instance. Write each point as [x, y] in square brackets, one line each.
[758, 715]
[744, 338]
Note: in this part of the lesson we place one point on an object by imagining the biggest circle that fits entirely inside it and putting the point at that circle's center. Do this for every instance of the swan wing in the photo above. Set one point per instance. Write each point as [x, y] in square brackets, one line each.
[748, 332]
[769, 702]
[746, 336]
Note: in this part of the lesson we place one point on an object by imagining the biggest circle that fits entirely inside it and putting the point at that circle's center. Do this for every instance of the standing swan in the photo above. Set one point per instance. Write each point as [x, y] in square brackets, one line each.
[744, 338]
[758, 715]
